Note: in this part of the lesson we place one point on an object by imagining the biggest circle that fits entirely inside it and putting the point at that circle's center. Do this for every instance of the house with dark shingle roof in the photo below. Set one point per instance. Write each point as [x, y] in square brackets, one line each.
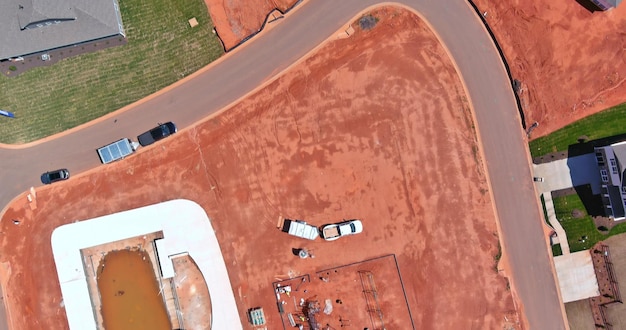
[606, 4]
[30, 27]
[611, 162]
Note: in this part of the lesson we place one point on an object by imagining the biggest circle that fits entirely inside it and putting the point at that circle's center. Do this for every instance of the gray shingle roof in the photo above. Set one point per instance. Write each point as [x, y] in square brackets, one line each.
[32, 26]
[619, 149]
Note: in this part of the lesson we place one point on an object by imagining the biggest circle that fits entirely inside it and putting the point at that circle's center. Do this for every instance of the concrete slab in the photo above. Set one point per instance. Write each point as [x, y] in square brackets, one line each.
[576, 276]
[567, 173]
[554, 222]
[185, 227]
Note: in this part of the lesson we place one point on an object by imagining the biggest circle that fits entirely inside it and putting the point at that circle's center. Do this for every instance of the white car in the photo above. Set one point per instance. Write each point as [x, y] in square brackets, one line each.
[334, 231]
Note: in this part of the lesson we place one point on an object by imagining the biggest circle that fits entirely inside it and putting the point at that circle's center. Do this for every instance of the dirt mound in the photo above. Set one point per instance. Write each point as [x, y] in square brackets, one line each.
[235, 20]
[570, 60]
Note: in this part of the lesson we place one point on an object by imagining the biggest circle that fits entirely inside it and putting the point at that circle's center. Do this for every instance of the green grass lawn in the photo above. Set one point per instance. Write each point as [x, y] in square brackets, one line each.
[607, 123]
[576, 229]
[162, 48]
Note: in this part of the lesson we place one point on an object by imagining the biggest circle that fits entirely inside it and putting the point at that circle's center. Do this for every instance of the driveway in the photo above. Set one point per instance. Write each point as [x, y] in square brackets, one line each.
[462, 33]
[567, 173]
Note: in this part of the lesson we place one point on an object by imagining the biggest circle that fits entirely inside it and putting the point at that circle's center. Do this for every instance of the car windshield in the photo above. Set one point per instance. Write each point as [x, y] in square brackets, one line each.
[160, 132]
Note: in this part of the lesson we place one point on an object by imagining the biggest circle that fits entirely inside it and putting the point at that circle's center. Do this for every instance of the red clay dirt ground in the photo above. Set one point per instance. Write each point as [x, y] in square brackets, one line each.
[236, 20]
[347, 133]
[569, 59]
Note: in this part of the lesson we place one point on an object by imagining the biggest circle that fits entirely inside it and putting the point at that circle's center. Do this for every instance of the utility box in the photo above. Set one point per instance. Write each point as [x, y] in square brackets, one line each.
[256, 316]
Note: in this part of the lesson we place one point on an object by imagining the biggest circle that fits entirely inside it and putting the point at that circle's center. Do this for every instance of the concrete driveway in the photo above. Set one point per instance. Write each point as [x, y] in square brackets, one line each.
[567, 173]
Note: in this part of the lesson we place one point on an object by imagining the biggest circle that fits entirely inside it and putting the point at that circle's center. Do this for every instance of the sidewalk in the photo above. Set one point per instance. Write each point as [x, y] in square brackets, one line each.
[554, 222]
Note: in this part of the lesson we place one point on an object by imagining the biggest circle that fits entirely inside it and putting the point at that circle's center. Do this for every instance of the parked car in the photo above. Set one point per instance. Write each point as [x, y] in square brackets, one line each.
[160, 132]
[538, 179]
[334, 231]
[54, 176]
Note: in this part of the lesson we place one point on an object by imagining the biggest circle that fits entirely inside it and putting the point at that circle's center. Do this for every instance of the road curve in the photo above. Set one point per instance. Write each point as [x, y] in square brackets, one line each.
[459, 29]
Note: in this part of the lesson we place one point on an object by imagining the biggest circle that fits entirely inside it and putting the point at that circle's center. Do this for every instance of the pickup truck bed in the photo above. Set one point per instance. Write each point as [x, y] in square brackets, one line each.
[330, 232]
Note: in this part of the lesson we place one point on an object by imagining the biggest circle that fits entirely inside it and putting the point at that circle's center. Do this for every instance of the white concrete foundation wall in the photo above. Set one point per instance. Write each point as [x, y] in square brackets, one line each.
[186, 228]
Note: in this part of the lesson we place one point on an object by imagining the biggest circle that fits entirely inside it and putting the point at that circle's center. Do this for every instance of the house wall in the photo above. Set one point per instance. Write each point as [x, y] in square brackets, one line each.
[610, 176]
[603, 156]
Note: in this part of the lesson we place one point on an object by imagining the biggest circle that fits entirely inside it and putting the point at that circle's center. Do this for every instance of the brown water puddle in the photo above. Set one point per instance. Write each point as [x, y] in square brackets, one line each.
[130, 292]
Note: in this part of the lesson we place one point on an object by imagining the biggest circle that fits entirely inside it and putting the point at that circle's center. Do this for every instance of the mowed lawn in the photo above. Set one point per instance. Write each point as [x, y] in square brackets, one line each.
[581, 232]
[162, 48]
[603, 124]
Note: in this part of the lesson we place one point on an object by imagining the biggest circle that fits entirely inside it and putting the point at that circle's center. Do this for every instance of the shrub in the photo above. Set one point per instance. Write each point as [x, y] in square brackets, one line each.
[368, 22]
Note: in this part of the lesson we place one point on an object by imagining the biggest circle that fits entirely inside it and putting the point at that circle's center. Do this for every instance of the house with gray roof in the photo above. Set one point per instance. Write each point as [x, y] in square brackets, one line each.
[30, 27]
[612, 164]
[606, 4]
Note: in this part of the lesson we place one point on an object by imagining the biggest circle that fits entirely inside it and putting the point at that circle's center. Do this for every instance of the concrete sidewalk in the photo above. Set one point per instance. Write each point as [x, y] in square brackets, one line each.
[554, 222]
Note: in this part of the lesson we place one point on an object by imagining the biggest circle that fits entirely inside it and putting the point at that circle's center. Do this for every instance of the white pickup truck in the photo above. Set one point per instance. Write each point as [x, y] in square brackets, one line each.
[334, 231]
[300, 228]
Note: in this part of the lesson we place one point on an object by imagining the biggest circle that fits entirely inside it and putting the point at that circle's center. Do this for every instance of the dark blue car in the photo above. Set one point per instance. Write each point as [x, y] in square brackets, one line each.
[54, 176]
[156, 134]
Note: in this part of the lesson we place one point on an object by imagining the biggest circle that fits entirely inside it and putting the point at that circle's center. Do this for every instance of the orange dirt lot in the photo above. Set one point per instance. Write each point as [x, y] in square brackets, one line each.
[570, 60]
[375, 127]
[236, 20]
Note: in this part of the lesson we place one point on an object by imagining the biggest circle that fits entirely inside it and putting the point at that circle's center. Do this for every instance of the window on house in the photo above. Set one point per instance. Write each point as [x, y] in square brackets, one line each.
[599, 158]
[614, 166]
[604, 175]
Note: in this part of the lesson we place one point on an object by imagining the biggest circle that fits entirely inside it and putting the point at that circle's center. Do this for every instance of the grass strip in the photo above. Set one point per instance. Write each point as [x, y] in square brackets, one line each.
[607, 123]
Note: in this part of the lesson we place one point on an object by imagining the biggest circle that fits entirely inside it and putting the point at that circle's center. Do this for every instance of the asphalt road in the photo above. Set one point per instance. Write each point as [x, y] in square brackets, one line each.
[460, 30]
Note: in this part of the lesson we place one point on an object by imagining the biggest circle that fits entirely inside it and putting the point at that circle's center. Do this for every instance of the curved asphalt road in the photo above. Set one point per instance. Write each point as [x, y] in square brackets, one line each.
[462, 33]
